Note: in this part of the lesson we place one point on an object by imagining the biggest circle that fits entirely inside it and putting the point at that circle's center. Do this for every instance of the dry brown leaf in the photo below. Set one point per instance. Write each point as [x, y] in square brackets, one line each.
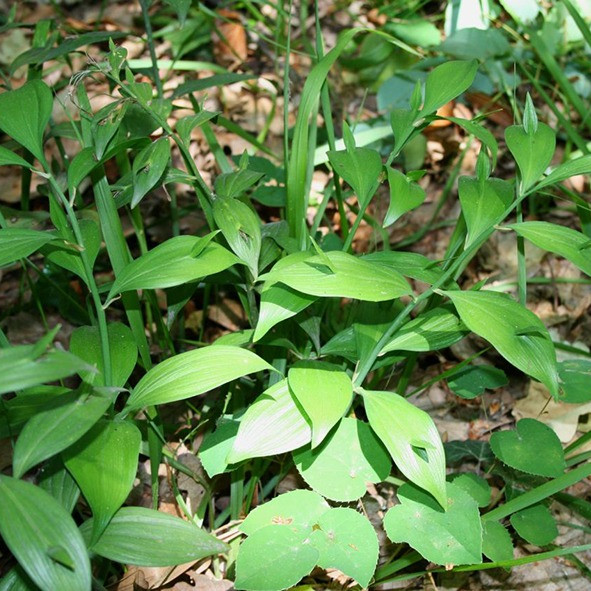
[229, 41]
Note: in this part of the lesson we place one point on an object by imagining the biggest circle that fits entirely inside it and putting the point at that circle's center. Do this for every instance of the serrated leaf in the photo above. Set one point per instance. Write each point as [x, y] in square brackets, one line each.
[18, 243]
[145, 537]
[402, 427]
[104, 464]
[535, 524]
[172, 263]
[298, 509]
[471, 381]
[325, 392]
[475, 486]
[483, 203]
[346, 461]
[54, 429]
[32, 523]
[560, 240]
[503, 322]
[532, 447]
[448, 537]
[405, 195]
[532, 151]
[496, 541]
[273, 424]
[346, 540]
[446, 82]
[193, 373]
[24, 114]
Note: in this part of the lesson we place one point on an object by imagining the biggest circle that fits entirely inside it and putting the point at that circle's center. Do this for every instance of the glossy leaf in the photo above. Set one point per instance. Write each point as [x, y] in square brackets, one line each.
[532, 447]
[193, 373]
[496, 541]
[409, 264]
[566, 242]
[145, 537]
[35, 527]
[346, 461]
[217, 445]
[173, 263]
[18, 243]
[148, 167]
[104, 464]
[24, 114]
[449, 537]
[471, 381]
[447, 81]
[325, 392]
[515, 332]
[405, 195]
[273, 424]
[411, 437]
[54, 429]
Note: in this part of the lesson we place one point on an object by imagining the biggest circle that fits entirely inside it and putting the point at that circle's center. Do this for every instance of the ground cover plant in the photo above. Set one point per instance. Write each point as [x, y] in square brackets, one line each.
[296, 442]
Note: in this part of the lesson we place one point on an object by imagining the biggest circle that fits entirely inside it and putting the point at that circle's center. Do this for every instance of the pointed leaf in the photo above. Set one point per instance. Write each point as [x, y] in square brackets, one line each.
[446, 82]
[57, 481]
[409, 264]
[325, 392]
[32, 523]
[515, 332]
[217, 445]
[405, 195]
[566, 170]
[273, 424]
[496, 541]
[18, 243]
[471, 381]
[403, 427]
[193, 373]
[148, 167]
[9, 158]
[235, 184]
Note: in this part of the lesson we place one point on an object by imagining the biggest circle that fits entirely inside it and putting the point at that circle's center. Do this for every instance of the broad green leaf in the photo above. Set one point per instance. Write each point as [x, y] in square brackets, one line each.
[80, 167]
[566, 242]
[273, 424]
[274, 558]
[476, 486]
[172, 263]
[36, 527]
[575, 375]
[104, 464]
[471, 381]
[346, 461]
[523, 11]
[18, 243]
[55, 479]
[411, 437]
[566, 170]
[532, 447]
[352, 277]
[85, 342]
[409, 264]
[402, 122]
[148, 167]
[483, 204]
[449, 537]
[193, 373]
[235, 184]
[446, 82]
[145, 537]
[186, 125]
[17, 580]
[360, 168]
[24, 114]
[515, 332]
[496, 541]
[430, 331]
[9, 158]
[325, 392]
[299, 509]
[278, 303]
[54, 429]
[217, 445]
[347, 541]
[241, 227]
[405, 195]
[535, 524]
[532, 151]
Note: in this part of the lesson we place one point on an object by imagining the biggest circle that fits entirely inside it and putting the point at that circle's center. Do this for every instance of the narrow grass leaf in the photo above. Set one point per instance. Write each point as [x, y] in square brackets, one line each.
[18, 243]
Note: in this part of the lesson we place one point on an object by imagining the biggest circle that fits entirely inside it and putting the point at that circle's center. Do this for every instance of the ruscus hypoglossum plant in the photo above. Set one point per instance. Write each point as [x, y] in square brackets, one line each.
[303, 385]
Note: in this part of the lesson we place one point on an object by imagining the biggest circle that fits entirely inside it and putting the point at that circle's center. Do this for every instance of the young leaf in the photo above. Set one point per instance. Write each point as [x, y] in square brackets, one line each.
[471, 381]
[325, 392]
[515, 332]
[405, 195]
[449, 537]
[446, 82]
[54, 429]
[483, 203]
[193, 373]
[348, 459]
[172, 263]
[496, 541]
[149, 165]
[32, 524]
[18, 243]
[411, 437]
[104, 464]
[566, 242]
[24, 114]
[533, 448]
[273, 424]
[535, 524]
[346, 540]
[145, 537]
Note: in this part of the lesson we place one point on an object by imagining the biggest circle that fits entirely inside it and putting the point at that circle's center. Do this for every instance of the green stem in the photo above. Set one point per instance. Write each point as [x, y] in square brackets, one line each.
[150, 35]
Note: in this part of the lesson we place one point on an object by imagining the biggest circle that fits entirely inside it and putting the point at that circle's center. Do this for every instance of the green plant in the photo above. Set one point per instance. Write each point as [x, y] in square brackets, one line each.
[303, 385]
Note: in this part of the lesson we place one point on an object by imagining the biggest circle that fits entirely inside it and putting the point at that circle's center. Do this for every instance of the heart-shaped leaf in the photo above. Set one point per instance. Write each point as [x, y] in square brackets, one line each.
[404, 195]
[445, 537]
[535, 524]
[532, 447]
